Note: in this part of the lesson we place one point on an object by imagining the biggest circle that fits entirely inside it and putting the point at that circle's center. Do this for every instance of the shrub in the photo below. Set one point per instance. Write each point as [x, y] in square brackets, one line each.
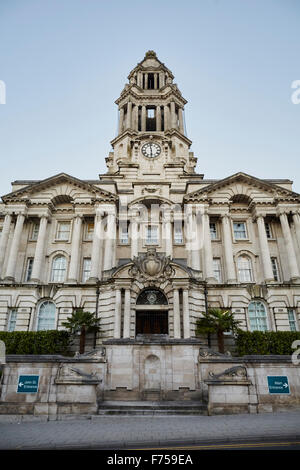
[36, 342]
[265, 342]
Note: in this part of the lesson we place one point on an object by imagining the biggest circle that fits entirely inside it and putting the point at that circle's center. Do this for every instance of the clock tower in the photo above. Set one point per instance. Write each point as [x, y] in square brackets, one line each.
[151, 141]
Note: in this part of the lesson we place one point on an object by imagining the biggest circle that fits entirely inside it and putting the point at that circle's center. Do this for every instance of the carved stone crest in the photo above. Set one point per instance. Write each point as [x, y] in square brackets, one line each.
[152, 266]
[233, 373]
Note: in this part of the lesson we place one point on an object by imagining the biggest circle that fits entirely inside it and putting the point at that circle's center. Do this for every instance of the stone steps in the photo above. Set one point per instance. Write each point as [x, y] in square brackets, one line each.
[150, 408]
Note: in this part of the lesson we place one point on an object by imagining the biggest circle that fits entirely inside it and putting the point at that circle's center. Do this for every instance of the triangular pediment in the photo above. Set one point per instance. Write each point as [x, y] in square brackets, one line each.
[60, 187]
[242, 184]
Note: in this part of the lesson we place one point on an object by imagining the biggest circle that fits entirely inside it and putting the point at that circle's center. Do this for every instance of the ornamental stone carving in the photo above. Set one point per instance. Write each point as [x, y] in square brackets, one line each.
[152, 266]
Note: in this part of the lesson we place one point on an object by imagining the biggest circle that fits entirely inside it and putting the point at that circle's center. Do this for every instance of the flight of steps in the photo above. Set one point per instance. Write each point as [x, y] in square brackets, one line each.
[150, 408]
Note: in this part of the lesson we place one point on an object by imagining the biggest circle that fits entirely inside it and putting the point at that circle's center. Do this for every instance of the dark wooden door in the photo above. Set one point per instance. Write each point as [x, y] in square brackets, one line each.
[151, 323]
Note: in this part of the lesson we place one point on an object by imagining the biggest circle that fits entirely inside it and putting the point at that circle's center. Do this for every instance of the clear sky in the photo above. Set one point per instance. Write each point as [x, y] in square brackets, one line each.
[64, 62]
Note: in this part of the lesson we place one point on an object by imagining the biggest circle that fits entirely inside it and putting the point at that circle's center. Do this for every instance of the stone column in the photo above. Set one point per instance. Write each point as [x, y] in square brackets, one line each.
[127, 314]
[134, 239]
[118, 306]
[39, 256]
[146, 81]
[290, 251]
[264, 250]
[180, 117]
[173, 115]
[186, 313]
[128, 117]
[135, 117]
[161, 79]
[110, 241]
[14, 249]
[166, 117]
[155, 81]
[75, 250]
[168, 235]
[96, 256]
[121, 120]
[143, 126]
[4, 239]
[229, 261]
[176, 313]
[296, 220]
[208, 257]
[158, 118]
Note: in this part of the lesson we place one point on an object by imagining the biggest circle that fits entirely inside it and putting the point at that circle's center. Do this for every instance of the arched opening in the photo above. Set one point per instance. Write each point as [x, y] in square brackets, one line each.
[257, 316]
[152, 313]
[46, 316]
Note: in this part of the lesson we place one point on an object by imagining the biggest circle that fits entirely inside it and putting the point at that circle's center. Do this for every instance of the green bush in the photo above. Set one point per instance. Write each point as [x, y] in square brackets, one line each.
[36, 342]
[265, 342]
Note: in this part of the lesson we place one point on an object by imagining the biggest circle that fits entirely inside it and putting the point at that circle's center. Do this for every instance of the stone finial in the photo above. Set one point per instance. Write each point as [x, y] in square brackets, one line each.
[150, 55]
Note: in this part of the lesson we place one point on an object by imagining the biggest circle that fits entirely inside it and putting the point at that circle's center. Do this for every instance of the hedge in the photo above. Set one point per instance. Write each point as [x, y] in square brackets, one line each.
[265, 342]
[36, 342]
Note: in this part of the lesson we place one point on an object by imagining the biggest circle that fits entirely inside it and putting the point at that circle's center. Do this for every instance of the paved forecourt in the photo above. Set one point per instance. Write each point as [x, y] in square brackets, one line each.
[121, 431]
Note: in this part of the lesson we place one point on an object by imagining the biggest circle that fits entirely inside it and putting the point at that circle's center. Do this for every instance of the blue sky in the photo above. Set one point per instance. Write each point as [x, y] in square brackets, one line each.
[64, 62]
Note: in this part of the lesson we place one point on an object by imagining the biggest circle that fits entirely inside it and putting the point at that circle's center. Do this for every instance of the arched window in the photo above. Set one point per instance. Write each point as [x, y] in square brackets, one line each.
[257, 316]
[46, 316]
[59, 266]
[245, 269]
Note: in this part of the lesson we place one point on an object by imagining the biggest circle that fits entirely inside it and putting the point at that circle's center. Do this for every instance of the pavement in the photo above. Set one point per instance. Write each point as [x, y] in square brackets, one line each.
[123, 432]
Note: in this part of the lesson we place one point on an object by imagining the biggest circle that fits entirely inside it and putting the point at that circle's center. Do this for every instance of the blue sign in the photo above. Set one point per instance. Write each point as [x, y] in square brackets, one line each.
[278, 384]
[28, 383]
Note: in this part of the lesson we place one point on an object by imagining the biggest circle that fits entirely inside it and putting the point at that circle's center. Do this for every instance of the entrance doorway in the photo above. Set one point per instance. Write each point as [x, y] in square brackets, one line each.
[151, 322]
[152, 313]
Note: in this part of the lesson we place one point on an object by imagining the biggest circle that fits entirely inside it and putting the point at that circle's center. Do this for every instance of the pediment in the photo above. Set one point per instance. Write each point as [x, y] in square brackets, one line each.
[244, 186]
[60, 188]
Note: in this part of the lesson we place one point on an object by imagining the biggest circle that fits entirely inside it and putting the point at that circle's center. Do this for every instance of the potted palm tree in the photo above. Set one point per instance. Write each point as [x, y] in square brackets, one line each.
[82, 322]
[219, 321]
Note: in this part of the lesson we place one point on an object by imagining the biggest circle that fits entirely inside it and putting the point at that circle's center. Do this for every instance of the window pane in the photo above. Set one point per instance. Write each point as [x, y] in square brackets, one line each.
[178, 236]
[58, 269]
[217, 269]
[63, 231]
[292, 319]
[257, 316]
[151, 235]
[275, 269]
[12, 320]
[239, 229]
[213, 231]
[87, 262]
[35, 231]
[89, 231]
[46, 316]
[28, 269]
[245, 269]
[268, 230]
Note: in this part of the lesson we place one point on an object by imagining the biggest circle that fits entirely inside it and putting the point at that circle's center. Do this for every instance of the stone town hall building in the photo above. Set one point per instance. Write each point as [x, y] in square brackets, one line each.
[149, 245]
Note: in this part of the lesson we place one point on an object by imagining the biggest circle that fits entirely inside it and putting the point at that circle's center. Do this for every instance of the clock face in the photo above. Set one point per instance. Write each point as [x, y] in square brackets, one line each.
[151, 150]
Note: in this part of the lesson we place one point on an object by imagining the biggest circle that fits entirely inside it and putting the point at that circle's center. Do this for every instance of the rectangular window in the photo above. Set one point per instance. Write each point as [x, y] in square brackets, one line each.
[28, 269]
[151, 235]
[239, 229]
[89, 230]
[217, 269]
[178, 235]
[268, 230]
[124, 239]
[63, 231]
[213, 231]
[292, 319]
[34, 231]
[86, 269]
[12, 319]
[275, 269]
